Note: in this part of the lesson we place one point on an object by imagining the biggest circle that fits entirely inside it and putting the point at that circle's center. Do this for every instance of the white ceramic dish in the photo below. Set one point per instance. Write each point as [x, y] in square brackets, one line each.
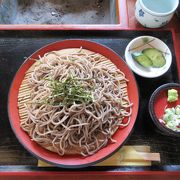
[137, 44]
[155, 13]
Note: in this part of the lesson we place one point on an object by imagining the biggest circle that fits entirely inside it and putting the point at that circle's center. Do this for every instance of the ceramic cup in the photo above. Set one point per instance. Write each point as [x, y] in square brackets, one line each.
[155, 13]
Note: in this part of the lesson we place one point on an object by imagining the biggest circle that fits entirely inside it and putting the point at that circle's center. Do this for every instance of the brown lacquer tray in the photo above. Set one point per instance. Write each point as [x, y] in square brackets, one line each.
[16, 45]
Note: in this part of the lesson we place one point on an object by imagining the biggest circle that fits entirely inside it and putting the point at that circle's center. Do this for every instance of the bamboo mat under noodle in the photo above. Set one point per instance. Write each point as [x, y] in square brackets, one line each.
[127, 155]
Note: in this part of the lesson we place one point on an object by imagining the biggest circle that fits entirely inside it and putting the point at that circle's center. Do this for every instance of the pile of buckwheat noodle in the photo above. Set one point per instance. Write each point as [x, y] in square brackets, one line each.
[78, 100]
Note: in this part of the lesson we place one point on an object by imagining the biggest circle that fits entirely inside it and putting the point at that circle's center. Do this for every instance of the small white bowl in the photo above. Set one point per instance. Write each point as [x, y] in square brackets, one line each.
[137, 45]
[155, 13]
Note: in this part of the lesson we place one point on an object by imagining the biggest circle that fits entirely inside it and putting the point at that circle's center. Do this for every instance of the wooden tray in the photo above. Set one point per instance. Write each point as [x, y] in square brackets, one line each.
[16, 45]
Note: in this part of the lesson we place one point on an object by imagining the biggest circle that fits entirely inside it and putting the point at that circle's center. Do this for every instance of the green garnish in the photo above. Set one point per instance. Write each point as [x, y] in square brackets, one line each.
[146, 41]
[171, 118]
[68, 92]
[172, 95]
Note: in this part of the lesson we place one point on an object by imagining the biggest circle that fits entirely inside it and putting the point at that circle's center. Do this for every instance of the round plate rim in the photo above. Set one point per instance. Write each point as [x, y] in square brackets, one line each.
[28, 61]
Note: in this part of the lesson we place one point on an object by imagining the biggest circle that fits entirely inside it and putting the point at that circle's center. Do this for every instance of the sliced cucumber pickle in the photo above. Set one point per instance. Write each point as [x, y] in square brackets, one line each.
[142, 59]
[155, 56]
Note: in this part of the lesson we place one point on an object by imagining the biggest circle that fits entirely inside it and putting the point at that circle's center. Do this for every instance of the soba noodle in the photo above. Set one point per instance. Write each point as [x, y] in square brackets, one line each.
[82, 118]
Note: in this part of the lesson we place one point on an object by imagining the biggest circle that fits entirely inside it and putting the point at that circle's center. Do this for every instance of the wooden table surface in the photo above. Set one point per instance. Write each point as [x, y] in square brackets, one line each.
[18, 150]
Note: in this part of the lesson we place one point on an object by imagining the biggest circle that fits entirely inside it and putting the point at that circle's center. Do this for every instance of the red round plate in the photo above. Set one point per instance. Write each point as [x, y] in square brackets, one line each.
[74, 161]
